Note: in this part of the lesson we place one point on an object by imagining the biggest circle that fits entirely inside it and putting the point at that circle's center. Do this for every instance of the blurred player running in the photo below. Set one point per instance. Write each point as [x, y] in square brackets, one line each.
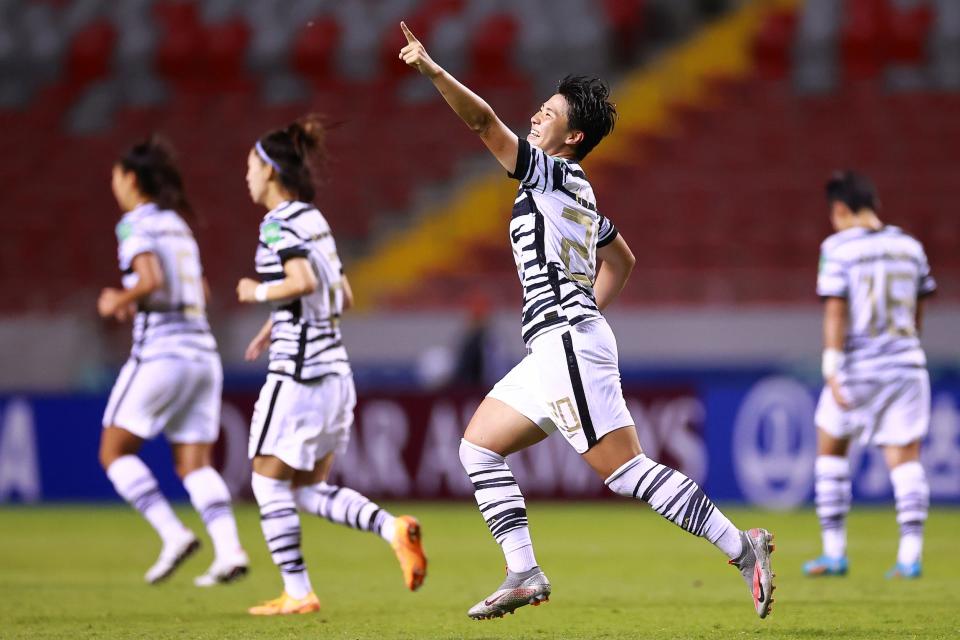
[171, 384]
[570, 379]
[873, 278]
[305, 410]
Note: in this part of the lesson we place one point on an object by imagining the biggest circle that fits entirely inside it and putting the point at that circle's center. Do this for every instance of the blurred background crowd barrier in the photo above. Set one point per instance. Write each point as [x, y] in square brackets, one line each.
[732, 115]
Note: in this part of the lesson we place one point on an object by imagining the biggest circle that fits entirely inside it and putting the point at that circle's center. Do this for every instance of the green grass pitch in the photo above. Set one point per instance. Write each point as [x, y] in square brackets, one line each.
[617, 569]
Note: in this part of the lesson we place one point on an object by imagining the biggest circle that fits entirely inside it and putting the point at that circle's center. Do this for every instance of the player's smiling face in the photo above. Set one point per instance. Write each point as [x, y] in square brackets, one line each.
[258, 177]
[550, 129]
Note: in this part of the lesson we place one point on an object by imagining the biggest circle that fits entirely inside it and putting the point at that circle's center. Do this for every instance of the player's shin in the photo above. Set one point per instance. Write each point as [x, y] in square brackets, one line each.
[211, 498]
[912, 495]
[678, 499]
[501, 504]
[342, 505]
[832, 494]
[281, 530]
[134, 481]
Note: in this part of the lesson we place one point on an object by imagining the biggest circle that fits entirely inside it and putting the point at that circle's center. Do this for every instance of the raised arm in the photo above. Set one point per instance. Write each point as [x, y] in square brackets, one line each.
[471, 108]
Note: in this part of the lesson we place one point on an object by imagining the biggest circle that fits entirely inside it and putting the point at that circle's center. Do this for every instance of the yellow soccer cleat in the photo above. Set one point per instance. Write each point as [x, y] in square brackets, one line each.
[409, 549]
[285, 605]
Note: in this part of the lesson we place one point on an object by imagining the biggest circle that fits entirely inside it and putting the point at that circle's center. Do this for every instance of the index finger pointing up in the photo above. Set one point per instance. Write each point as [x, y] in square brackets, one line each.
[409, 34]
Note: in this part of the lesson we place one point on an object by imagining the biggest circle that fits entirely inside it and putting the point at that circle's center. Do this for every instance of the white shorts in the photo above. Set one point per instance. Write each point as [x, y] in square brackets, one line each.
[178, 397]
[300, 423]
[570, 379]
[894, 411]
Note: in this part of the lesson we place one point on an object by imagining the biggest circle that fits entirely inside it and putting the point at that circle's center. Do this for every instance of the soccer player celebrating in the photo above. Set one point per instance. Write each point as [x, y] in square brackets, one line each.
[171, 384]
[873, 278]
[569, 380]
[305, 410]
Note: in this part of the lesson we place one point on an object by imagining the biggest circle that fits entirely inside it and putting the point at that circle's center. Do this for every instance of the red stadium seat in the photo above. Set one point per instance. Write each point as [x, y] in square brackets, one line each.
[314, 50]
[225, 49]
[492, 46]
[864, 38]
[90, 52]
[773, 43]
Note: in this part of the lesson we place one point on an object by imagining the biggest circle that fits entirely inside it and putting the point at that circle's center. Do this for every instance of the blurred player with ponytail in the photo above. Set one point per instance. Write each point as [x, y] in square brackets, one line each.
[305, 410]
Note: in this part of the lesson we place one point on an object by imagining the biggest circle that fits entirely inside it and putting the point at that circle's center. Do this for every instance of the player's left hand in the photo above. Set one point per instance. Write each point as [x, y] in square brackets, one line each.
[415, 55]
[246, 290]
[109, 302]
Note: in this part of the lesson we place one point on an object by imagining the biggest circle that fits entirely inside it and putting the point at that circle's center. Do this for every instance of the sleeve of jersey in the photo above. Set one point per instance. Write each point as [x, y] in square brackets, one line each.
[283, 240]
[832, 277]
[535, 169]
[132, 242]
[607, 232]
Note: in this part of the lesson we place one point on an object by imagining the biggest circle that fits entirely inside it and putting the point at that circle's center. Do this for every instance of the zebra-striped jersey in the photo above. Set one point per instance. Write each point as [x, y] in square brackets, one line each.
[305, 341]
[555, 231]
[171, 321]
[881, 273]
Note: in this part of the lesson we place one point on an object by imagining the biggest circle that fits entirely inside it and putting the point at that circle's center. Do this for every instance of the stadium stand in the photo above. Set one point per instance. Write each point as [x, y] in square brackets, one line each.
[722, 203]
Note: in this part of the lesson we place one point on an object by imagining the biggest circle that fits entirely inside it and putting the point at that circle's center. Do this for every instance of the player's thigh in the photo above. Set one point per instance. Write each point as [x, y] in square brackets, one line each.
[501, 428]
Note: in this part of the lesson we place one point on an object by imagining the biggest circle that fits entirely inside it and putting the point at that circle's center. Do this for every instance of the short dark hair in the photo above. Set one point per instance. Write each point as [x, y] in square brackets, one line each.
[153, 162]
[298, 152]
[852, 189]
[589, 110]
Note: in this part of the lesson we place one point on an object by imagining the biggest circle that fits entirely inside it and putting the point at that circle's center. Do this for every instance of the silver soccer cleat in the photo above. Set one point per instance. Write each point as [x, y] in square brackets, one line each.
[754, 566]
[171, 557]
[519, 589]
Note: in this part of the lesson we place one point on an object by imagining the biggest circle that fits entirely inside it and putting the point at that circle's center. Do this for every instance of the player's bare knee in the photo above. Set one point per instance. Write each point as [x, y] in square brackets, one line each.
[115, 444]
[184, 468]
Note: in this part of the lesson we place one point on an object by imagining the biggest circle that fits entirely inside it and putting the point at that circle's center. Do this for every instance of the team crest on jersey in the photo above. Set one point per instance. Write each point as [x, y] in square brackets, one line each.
[271, 232]
[124, 229]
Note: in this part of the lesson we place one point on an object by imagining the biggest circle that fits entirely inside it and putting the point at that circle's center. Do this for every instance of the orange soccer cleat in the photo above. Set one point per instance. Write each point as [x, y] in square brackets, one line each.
[409, 549]
[285, 605]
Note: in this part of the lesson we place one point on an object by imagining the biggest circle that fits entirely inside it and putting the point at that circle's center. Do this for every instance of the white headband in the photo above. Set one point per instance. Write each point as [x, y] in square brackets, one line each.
[263, 155]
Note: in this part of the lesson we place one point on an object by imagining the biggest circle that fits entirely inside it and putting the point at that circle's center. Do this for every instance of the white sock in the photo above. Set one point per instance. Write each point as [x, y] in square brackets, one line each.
[136, 484]
[345, 506]
[832, 494]
[281, 530]
[501, 504]
[678, 499]
[912, 494]
[211, 498]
